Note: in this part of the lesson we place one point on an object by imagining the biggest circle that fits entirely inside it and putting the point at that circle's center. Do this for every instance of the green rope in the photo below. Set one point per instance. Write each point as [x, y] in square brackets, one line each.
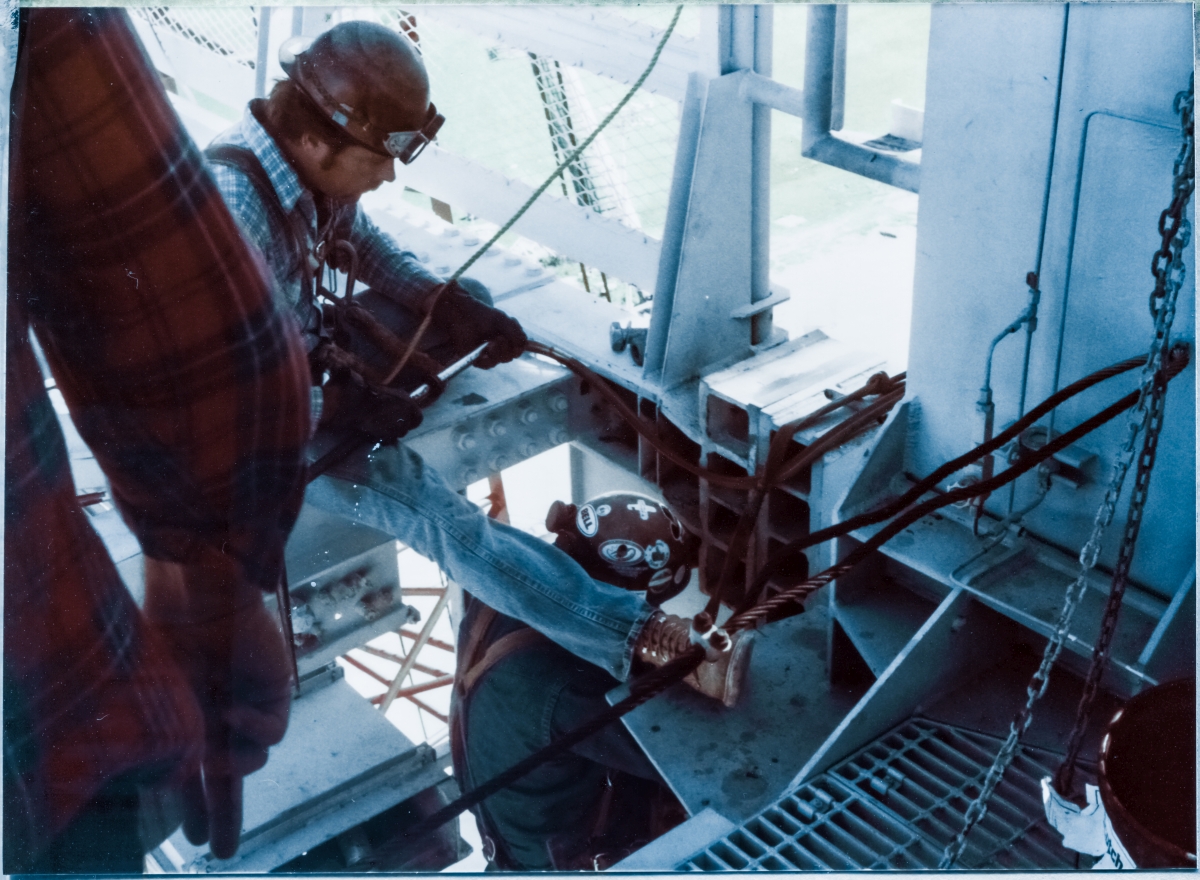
[570, 160]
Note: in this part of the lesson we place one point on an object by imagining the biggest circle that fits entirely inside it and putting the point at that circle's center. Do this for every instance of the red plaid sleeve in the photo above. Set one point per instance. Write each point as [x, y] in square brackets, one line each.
[187, 385]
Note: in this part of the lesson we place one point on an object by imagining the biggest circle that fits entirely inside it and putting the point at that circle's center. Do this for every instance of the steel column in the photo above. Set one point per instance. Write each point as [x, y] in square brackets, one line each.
[264, 56]
[724, 252]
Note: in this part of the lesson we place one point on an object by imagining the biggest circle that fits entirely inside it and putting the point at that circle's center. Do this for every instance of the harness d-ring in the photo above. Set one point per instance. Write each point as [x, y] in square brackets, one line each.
[321, 252]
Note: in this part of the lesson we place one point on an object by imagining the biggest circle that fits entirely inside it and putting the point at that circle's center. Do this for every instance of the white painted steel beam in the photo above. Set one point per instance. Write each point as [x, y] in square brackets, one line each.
[838, 151]
[959, 640]
[715, 257]
[263, 58]
[575, 232]
[819, 98]
[767, 92]
[691, 111]
[597, 41]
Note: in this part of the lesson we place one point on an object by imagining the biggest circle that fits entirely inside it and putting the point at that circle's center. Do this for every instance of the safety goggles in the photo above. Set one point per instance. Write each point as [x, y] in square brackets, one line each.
[407, 145]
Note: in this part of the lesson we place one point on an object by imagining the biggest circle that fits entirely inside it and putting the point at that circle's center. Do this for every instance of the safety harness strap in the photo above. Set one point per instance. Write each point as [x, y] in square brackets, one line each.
[471, 642]
[244, 160]
[501, 648]
[473, 661]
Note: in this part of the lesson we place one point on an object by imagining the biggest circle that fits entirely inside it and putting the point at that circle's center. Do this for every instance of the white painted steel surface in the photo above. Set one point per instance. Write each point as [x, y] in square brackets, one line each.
[988, 127]
[592, 38]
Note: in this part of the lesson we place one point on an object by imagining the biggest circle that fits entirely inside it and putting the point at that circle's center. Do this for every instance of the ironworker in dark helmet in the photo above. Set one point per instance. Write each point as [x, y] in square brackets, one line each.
[356, 101]
[515, 691]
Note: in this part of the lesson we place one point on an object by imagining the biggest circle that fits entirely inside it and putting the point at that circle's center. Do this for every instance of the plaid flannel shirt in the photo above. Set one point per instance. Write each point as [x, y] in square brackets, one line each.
[382, 263]
[189, 387]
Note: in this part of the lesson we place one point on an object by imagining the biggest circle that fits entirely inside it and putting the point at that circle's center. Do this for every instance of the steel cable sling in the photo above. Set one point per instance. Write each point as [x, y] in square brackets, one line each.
[879, 384]
[797, 594]
[781, 556]
[657, 681]
[641, 691]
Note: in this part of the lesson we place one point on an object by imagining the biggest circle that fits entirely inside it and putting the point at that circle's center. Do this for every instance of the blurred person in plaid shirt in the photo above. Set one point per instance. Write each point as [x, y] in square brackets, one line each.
[192, 391]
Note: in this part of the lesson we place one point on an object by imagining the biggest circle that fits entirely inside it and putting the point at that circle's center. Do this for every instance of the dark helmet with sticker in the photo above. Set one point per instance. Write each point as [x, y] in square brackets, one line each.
[626, 539]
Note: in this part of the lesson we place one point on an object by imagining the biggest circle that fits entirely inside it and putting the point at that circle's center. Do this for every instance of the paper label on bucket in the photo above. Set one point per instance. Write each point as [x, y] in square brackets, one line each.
[1086, 829]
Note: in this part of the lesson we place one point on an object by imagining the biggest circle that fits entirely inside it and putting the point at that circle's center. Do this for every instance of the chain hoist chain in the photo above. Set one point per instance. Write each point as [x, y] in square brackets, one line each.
[1041, 678]
[1108, 625]
[1147, 414]
[1185, 183]
[1034, 690]
[1168, 280]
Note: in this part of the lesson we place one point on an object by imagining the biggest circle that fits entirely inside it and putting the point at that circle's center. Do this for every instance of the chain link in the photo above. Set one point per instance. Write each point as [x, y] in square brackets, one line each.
[1175, 236]
[1169, 280]
[1147, 415]
[1112, 608]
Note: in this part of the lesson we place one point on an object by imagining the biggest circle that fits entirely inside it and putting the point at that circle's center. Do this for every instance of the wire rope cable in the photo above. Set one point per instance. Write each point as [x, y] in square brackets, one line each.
[658, 680]
[762, 611]
[1161, 365]
[913, 494]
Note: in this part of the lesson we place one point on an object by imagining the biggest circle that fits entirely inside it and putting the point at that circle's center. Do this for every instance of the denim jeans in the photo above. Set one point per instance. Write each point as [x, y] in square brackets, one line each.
[393, 490]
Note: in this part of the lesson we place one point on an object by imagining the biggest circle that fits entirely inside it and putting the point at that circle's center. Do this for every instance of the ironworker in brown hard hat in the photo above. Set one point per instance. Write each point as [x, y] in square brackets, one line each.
[355, 101]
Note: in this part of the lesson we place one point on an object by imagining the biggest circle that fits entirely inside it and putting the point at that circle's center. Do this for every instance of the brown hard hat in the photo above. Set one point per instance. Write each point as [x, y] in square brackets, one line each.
[371, 82]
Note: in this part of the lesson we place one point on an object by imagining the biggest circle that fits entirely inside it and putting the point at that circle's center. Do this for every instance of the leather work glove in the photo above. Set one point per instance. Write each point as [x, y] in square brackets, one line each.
[383, 416]
[471, 322]
[233, 653]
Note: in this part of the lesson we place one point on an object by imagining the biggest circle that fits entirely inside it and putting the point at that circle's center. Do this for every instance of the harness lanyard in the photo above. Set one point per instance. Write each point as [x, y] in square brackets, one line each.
[326, 244]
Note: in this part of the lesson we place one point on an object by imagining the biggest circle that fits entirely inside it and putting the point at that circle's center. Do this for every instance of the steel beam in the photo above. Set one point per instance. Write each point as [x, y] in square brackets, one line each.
[690, 115]
[576, 232]
[820, 88]
[958, 640]
[757, 21]
[775, 95]
[263, 58]
[714, 275]
[410, 661]
[878, 165]
[595, 40]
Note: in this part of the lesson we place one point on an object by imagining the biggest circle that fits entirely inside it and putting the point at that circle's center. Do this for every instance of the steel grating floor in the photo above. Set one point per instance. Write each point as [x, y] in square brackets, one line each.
[895, 805]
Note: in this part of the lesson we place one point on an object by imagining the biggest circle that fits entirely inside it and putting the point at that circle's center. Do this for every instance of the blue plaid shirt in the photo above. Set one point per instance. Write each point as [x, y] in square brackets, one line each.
[382, 263]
